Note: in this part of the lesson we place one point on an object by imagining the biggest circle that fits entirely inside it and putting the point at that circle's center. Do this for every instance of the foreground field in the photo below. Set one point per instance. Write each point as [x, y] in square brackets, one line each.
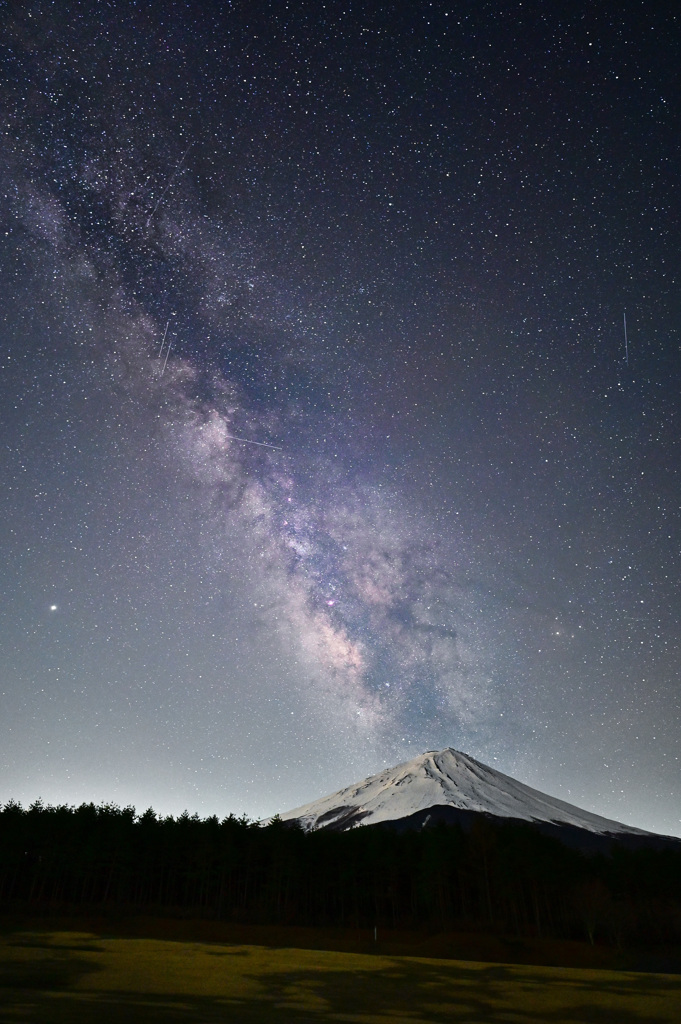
[61, 977]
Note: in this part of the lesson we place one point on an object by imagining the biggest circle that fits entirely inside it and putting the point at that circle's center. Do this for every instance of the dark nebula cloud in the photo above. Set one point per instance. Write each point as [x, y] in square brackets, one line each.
[322, 445]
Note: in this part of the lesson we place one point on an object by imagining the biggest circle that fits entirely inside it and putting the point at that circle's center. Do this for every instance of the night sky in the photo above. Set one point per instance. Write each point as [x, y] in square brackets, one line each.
[396, 479]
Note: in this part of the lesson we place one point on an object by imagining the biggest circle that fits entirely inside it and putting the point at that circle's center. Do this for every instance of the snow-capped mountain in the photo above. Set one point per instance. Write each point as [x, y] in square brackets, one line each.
[445, 779]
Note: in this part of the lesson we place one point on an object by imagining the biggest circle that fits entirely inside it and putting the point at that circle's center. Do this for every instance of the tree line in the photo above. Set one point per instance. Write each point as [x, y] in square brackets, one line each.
[504, 876]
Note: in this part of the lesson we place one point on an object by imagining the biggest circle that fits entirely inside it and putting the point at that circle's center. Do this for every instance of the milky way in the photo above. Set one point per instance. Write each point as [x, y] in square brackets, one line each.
[322, 443]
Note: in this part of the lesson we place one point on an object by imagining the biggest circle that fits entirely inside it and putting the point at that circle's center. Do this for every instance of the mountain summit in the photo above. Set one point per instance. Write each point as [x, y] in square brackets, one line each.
[445, 785]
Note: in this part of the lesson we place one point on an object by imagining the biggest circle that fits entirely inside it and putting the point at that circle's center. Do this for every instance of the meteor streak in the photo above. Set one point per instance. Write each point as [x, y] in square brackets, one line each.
[247, 440]
[165, 334]
[626, 340]
[169, 182]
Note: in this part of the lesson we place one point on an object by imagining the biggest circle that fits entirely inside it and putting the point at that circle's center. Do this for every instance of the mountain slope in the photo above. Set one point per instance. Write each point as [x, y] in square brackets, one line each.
[450, 779]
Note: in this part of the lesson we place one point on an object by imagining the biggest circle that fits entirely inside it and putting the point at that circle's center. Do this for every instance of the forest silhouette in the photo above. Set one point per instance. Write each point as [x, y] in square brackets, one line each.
[502, 877]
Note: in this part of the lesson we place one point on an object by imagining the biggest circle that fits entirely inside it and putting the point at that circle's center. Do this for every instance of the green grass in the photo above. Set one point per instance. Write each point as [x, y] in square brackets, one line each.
[82, 978]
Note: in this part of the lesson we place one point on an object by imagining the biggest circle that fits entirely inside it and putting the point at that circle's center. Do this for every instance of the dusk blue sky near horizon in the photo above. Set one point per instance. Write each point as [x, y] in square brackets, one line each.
[323, 443]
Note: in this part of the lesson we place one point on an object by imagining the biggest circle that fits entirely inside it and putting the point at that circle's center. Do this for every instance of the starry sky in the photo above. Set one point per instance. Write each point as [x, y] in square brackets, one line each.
[324, 439]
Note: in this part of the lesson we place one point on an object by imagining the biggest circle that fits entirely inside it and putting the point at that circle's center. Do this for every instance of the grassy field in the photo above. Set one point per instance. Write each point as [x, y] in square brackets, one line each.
[74, 978]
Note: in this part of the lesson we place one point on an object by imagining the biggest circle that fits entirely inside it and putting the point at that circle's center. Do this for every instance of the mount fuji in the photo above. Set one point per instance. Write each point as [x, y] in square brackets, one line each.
[448, 786]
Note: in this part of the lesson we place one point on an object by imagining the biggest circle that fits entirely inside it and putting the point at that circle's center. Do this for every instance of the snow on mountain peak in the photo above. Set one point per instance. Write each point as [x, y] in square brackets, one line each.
[444, 778]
